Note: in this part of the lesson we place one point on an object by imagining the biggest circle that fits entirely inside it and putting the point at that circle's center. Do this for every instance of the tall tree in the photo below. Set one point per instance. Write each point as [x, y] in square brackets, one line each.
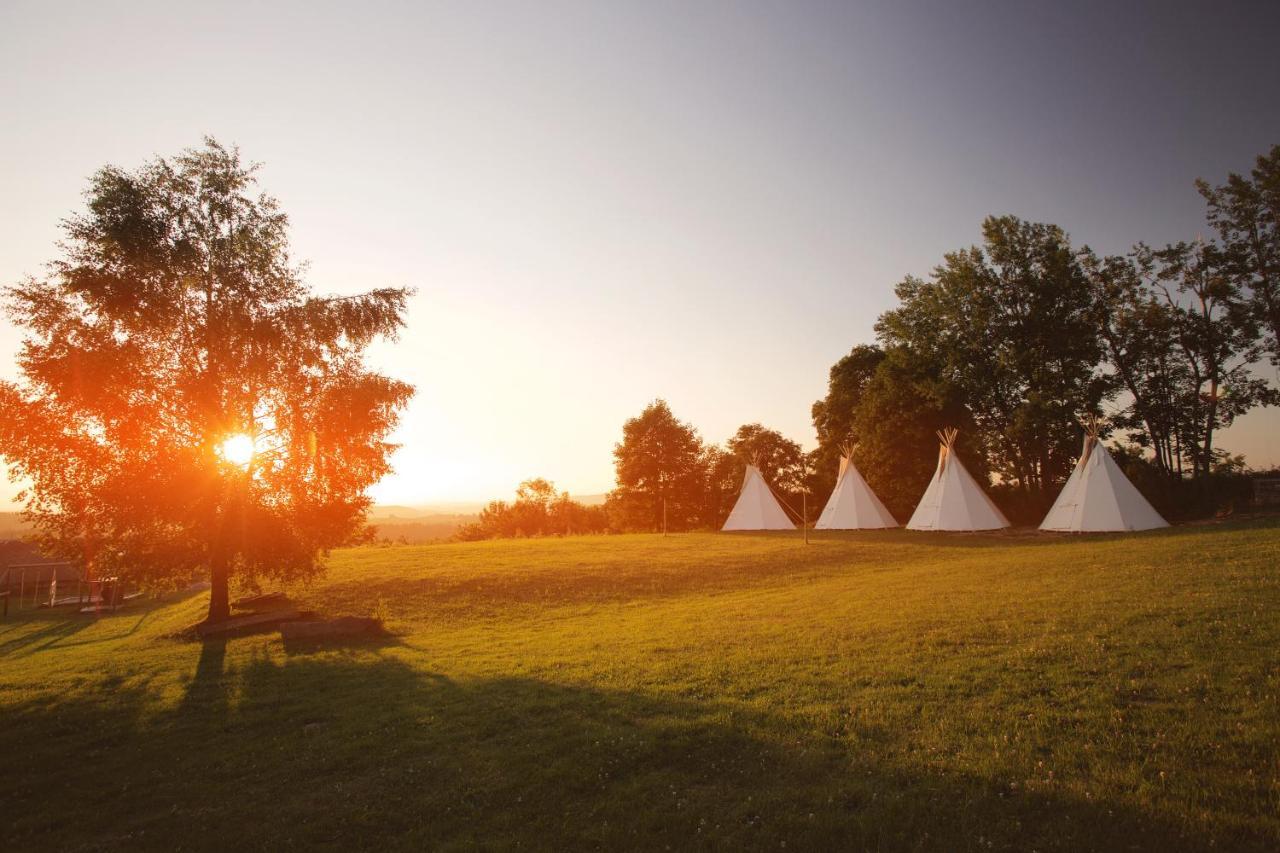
[1012, 325]
[833, 415]
[186, 405]
[1246, 213]
[724, 473]
[1217, 340]
[1139, 333]
[659, 466]
[779, 459]
[899, 413]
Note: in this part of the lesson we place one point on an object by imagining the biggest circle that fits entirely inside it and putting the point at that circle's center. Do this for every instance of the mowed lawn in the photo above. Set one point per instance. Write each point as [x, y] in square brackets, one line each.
[889, 691]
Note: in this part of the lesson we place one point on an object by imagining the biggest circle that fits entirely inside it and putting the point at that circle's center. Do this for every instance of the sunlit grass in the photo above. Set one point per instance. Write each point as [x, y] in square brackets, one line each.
[889, 690]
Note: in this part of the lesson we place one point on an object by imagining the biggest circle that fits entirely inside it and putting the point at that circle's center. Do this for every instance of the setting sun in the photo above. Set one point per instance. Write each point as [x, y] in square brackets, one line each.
[238, 449]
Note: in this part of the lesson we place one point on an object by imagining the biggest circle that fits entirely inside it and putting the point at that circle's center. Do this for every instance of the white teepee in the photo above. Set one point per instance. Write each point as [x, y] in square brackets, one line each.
[757, 508]
[852, 505]
[1098, 496]
[954, 500]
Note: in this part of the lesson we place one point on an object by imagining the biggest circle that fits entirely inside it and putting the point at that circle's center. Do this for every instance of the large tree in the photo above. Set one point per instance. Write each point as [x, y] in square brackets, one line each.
[900, 411]
[1139, 334]
[187, 406]
[660, 472]
[724, 472]
[779, 459]
[1012, 325]
[833, 415]
[1217, 340]
[1246, 213]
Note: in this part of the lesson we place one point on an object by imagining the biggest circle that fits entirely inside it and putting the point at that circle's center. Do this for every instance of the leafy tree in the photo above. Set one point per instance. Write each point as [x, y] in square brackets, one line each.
[1217, 339]
[1141, 351]
[175, 320]
[1011, 326]
[900, 411]
[1246, 213]
[659, 465]
[569, 517]
[779, 459]
[834, 414]
[537, 511]
[724, 472]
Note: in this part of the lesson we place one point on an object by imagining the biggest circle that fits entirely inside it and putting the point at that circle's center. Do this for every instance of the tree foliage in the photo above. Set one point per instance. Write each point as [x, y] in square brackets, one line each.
[1009, 325]
[901, 409]
[1140, 351]
[833, 415]
[538, 510]
[1216, 337]
[175, 319]
[1020, 337]
[661, 459]
[780, 460]
[660, 470]
[724, 472]
[1245, 211]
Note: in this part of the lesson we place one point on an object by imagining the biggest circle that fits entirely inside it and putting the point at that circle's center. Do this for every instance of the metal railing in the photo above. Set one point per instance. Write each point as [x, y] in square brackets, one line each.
[32, 585]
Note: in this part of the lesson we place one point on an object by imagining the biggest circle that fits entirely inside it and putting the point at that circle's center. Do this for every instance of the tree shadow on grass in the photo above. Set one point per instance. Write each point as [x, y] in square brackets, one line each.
[56, 627]
[571, 578]
[370, 642]
[356, 749]
[41, 629]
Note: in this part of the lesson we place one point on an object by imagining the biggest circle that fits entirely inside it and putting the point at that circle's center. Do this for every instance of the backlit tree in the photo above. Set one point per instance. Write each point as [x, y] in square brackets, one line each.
[187, 407]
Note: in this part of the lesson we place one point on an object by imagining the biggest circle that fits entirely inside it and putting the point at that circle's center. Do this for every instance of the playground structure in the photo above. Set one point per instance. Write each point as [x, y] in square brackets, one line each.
[33, 585]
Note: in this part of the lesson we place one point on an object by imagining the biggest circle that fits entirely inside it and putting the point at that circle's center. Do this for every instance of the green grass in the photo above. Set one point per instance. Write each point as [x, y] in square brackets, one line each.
[875, 690]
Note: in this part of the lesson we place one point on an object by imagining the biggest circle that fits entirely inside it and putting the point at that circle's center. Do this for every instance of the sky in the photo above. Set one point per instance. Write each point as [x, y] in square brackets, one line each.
[599, 204]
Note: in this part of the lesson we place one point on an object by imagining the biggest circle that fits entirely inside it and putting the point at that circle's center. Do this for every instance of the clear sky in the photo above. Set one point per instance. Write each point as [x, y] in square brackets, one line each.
[600, 203]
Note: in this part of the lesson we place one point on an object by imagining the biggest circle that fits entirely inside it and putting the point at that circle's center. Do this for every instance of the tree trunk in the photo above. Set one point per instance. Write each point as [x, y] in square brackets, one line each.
[1210, 421]
[219, 597]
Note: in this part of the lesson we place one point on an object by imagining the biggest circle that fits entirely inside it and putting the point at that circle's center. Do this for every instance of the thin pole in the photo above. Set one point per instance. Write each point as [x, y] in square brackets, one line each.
[804, 514]
[664, 515]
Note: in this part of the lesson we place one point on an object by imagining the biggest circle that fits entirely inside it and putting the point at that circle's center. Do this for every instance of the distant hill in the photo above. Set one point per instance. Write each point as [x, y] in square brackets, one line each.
[416, 525]
[395, 511]
[419, 529]
[402, 512]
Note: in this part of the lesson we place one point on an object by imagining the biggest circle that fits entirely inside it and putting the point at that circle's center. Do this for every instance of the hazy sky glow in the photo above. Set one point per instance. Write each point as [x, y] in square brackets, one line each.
[603, 203]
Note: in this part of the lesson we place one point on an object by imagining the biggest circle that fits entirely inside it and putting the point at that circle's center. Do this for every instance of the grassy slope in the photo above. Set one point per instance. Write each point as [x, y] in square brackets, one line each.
[884, 690]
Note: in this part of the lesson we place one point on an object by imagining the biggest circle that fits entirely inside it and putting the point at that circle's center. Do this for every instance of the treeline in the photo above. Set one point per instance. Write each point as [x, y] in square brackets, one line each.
[537, 511]
[668, 478]
[1012, 341]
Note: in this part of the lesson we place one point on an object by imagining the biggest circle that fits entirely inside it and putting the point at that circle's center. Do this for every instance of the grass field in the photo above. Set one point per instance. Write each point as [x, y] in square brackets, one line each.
[876, 690]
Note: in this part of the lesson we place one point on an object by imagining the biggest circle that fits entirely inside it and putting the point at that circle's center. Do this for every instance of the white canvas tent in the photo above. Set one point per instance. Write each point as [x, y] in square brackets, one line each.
[954, 500]
[1098, 496]
[852, 505]
[757, 508]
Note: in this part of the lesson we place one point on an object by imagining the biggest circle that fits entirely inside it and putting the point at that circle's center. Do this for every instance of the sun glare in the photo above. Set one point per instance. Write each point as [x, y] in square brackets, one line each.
[237, 449]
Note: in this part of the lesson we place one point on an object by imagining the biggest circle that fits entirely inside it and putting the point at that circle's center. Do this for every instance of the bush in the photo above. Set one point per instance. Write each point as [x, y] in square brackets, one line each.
[537, 511]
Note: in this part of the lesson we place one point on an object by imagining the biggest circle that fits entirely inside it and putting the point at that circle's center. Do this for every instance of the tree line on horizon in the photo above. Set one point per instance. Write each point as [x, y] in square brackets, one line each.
[1013, 341]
